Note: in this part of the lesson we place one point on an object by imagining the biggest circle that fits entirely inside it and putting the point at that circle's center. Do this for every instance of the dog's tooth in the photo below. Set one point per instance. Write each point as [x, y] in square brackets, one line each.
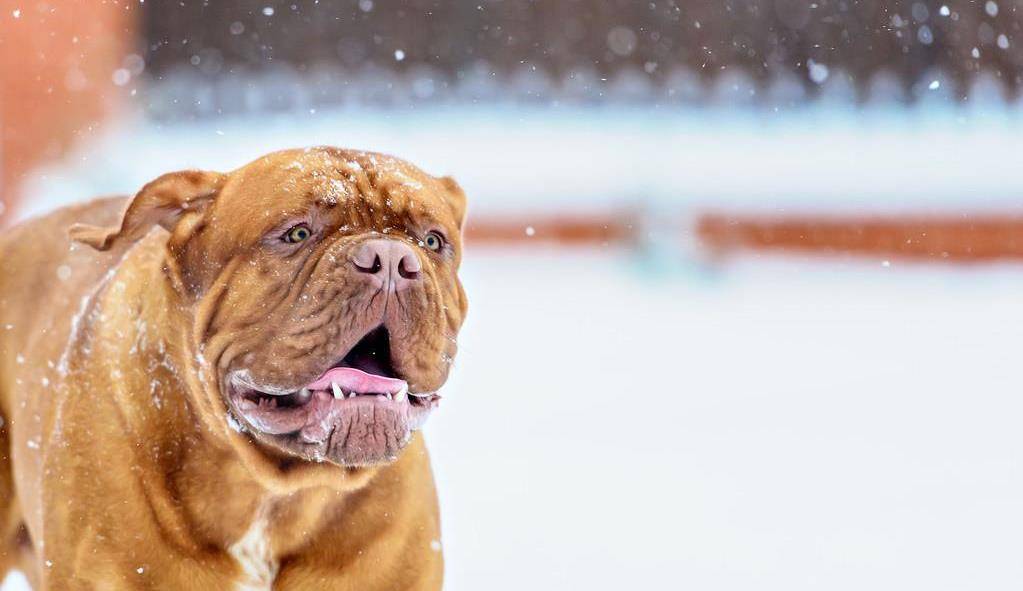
[403, 393]
[337, 390]
[389, 397]
[353, 394]
[304, 395]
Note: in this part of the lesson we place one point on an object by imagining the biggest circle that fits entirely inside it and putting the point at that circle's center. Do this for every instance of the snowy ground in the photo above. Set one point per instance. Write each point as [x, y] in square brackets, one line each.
[788, 426]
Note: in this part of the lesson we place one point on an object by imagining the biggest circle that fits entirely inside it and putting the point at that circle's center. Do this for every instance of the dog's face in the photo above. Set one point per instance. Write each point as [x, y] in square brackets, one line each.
[326, 299]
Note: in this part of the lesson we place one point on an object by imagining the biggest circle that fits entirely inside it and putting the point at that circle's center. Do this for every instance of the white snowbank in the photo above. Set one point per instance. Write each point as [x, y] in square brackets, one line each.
[524, 160]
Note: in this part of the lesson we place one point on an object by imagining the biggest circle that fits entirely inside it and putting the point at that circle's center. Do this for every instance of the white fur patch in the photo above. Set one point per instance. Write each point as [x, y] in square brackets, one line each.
[252, 551]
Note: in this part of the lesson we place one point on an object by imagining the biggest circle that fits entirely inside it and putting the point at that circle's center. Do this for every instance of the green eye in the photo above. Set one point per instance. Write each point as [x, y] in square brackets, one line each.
[434, 241]
[297, 234]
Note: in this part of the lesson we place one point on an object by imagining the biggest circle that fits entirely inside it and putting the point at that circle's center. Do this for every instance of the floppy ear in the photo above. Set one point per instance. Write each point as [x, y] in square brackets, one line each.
[456, 197]
[162, 201]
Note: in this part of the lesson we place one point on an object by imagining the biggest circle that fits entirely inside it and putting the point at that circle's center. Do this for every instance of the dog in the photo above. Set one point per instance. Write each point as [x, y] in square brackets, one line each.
[232, 401]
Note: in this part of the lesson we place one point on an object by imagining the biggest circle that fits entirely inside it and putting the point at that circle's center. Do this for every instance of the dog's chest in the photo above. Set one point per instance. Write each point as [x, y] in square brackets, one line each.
[255, 557]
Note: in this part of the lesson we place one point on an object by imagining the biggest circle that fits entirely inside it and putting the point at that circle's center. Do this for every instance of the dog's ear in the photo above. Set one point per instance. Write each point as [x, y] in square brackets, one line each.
[456, 197]
[162, 201]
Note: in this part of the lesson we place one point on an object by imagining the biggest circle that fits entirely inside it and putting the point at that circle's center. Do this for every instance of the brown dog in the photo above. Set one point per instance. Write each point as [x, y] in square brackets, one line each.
[232, 405]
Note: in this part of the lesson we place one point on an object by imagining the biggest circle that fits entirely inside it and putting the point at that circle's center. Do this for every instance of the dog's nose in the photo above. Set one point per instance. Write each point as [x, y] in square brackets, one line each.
[388, 259]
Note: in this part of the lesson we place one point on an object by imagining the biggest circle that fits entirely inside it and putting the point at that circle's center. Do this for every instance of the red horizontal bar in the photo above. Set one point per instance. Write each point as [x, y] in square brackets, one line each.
[963, 238]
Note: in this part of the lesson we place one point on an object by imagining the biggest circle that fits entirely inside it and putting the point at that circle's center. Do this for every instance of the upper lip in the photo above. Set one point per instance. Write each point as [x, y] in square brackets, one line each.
[395, 386]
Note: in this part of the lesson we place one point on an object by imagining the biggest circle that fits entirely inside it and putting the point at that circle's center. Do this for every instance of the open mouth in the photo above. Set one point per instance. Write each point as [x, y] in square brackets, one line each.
[359, 410]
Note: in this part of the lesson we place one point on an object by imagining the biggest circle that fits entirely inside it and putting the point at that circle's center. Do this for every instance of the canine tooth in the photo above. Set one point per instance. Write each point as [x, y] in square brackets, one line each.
[353, 394]
[389, 396]
[337, 390]
[402, 393]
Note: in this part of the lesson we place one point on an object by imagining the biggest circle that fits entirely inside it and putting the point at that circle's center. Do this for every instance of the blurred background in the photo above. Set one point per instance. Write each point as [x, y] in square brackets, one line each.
[744, 274]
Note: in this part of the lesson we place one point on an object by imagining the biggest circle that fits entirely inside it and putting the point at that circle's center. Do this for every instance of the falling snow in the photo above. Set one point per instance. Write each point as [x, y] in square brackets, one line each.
[234, 424]
[924, 35]
[818, 71]
[635, 65]
[121, 76]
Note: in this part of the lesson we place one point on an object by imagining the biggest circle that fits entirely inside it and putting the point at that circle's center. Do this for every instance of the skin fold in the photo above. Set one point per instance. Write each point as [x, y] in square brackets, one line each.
[121, 324]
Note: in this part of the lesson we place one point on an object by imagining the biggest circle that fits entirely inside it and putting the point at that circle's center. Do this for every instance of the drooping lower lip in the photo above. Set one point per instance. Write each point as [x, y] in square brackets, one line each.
[312, 412]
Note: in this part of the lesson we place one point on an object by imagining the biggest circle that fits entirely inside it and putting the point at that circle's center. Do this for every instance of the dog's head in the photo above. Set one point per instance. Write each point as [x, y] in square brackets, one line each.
[323, 289]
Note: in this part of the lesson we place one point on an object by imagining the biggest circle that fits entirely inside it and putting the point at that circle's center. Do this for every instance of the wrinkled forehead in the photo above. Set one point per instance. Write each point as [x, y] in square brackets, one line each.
[365, 187]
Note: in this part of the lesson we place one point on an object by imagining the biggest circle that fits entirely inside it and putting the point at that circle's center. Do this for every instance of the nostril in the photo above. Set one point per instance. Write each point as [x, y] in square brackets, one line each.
[373, 268]
[407, 269]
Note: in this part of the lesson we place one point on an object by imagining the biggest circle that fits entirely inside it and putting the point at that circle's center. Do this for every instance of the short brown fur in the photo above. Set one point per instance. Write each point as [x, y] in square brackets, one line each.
[120, 469]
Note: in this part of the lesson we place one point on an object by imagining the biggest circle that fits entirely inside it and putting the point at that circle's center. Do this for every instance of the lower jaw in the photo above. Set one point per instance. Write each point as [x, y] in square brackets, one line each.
[356, 432]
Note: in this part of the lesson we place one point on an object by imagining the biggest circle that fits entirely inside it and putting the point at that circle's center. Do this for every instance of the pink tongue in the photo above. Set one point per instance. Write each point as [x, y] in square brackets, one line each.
[356, 380]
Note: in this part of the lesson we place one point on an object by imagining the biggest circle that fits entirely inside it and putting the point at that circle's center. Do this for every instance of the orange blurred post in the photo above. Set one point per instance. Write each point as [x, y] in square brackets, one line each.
[57, 65]
[953, 238]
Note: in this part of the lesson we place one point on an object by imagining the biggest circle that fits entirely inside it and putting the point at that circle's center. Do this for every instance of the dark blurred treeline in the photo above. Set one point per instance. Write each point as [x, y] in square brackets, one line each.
[551, 43]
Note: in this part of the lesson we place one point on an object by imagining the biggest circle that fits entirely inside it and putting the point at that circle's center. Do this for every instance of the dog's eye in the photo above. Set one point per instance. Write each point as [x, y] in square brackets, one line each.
[434, 241]
[297, 234]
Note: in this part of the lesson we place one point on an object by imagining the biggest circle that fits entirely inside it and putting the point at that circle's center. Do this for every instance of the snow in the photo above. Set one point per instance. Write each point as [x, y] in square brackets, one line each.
[779, 425]
[924, 35]
[234, 424]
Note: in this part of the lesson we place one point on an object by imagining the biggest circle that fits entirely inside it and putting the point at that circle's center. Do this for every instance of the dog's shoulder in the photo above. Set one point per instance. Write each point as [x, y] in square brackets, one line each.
[44, 276]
